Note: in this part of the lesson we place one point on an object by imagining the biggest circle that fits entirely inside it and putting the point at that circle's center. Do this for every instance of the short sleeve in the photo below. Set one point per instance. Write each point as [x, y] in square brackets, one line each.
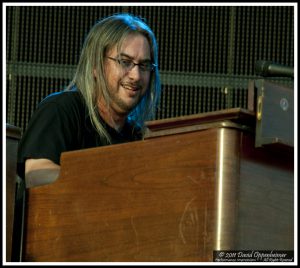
[52, 129]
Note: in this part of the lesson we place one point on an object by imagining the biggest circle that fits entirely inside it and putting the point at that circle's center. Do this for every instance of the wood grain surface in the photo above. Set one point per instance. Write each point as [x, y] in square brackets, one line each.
[145, 201]
[169, 198]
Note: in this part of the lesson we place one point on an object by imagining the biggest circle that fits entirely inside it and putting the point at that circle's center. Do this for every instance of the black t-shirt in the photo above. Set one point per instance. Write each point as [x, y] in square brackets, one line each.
[61, 123]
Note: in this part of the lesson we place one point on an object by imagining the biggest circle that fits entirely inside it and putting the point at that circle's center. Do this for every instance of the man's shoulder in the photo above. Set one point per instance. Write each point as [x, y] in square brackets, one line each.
[64, 99]
[63, 96]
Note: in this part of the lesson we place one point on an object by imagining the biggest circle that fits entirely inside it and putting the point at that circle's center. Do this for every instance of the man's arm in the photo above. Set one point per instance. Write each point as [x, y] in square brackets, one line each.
[40, 172]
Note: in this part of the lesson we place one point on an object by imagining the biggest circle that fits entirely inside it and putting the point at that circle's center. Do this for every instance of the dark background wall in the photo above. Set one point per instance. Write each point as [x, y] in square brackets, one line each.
[207, 53]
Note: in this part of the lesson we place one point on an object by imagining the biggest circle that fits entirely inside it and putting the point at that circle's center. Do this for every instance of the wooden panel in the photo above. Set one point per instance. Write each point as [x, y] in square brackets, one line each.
[153, 200]
[173, 197]
[132, 199]
[266, 199]
[235, 117]
[12, 138]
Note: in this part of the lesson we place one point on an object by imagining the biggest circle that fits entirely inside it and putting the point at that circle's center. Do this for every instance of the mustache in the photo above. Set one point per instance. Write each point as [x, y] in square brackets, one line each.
[136, 86]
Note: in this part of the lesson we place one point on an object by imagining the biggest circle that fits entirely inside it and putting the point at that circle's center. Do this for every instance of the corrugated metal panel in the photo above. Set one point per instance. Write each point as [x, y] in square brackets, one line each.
[207, 54]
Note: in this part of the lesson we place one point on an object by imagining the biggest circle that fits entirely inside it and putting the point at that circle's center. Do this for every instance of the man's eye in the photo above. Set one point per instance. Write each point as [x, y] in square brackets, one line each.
[125, 63]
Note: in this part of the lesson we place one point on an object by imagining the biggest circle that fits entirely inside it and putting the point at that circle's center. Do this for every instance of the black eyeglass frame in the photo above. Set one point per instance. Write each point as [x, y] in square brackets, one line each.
[142, 66]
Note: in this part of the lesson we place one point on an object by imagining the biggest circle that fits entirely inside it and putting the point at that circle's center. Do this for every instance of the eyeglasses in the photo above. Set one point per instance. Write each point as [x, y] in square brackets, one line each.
[128, 64]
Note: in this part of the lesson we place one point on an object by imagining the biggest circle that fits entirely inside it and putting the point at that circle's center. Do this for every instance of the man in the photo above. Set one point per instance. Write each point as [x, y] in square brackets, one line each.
[115, 89]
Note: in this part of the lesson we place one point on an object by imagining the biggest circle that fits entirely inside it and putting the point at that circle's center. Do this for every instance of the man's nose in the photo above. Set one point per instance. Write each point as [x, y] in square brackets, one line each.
[135, 73]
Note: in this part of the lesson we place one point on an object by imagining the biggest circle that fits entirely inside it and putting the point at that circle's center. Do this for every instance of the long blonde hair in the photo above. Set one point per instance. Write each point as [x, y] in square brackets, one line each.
[103, 36]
